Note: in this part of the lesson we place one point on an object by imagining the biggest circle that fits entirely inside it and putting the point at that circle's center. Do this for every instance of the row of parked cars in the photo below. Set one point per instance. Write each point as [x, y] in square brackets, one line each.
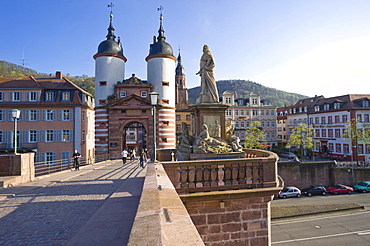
[321, 190]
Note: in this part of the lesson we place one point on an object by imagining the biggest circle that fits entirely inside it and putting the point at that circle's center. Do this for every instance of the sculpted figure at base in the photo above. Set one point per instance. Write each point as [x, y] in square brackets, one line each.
[206, 144]
[231, 138]
[209, 92]
[184, 147]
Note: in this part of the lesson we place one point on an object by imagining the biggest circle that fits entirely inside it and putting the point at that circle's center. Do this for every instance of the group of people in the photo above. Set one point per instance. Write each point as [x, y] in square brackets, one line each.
[142, 156]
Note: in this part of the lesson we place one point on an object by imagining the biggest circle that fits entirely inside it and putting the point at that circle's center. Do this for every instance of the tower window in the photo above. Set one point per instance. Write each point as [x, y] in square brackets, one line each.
[143, 94]
[164, 140]
[165, 101]
[165, 83]
[102, 102]
[143, 111]
[167, 123]
[102, 83]
[122, 94]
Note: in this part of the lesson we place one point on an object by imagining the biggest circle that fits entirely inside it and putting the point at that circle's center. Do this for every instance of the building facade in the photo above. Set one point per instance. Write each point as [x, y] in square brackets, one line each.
[124, 118]
[330, 118]
[244, 110]
[56, 117]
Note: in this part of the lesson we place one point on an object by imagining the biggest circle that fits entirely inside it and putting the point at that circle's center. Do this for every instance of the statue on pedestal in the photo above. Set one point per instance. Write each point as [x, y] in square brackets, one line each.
[209, 93]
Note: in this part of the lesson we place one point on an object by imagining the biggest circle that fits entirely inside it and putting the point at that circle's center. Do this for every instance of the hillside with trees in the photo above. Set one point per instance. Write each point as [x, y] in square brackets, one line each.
[14, 70]
[243, 88]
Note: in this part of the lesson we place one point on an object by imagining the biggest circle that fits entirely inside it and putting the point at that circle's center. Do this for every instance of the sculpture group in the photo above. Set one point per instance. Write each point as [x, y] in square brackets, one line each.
[209, 140]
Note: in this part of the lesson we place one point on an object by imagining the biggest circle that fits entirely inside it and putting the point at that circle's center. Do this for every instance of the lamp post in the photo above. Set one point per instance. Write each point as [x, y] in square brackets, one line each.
[15, 115]
[154, 102]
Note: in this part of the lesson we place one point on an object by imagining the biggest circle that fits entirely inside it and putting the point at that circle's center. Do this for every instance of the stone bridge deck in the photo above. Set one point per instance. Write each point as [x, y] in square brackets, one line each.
[94, 206]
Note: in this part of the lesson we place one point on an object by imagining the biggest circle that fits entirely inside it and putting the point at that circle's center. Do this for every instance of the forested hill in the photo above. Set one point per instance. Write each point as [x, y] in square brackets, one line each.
[276, 97]
[11, 69]
[243, 88]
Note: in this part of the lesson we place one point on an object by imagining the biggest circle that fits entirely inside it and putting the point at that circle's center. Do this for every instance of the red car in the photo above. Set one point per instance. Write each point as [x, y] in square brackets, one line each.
[339, 189]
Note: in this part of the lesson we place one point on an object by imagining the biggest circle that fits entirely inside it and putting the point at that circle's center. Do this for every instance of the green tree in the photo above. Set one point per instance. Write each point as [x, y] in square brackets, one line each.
[254, 136]
[301, 137]
[357, 133]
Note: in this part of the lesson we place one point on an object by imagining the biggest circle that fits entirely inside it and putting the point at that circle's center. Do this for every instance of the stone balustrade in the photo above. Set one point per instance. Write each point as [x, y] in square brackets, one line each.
[258, 170]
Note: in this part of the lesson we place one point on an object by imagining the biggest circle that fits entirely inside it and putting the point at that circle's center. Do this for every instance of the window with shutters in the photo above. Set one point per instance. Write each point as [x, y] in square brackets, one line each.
[32, 136]
[49, 137]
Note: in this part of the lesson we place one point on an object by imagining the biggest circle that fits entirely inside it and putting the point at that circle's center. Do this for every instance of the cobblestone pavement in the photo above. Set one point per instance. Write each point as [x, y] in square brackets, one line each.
[53, 214]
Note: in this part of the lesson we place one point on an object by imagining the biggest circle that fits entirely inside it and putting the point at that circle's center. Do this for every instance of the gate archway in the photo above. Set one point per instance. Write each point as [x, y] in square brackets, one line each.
[134, 136]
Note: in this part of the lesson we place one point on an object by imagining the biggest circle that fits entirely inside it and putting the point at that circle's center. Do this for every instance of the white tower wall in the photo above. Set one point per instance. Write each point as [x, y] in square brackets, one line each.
[110, 69]
[160, 69]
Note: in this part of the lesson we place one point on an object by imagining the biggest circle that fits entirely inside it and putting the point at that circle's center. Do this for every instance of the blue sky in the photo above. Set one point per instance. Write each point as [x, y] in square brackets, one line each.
[311, 47]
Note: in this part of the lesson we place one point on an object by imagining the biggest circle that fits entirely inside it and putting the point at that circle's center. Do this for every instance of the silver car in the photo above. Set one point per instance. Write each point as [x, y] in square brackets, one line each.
[290, 192]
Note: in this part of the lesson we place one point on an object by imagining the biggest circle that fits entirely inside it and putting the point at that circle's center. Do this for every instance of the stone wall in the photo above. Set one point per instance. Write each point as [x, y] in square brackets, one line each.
[20, 167]
[242, 221]
[324, 173]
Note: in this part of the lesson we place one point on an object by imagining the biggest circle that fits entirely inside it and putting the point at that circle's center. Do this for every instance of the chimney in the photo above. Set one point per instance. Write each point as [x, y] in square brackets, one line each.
[58, 75]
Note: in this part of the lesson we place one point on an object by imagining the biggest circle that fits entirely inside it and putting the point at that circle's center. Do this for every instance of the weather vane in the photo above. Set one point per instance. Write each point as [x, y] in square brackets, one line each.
[111, 5]
[160, 9]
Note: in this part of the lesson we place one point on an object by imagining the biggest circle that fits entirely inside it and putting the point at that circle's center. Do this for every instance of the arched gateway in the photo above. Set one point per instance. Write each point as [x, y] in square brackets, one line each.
[134, 137]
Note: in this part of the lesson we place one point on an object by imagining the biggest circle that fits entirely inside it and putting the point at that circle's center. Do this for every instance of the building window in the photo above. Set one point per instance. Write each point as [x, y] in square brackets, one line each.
[102, 83]
[338, 148]
[66, 96]
[49, 137]
[331, 147]
[366, 118]
[178, 117]
[49, 96]
[32, 96]
[236, 112]
[359, 118]
[254, 101]
[323, 120]
[165, 101]
[330, 133]
[143, 111]
[178, 127]
[311, 121]
[236, 124]
[49, 114]
[326, 106]
[330, 119]
[345, 149]
[83, 115]
[67, 136]
[344, 118]
[83, 136]
[242, 112]
[255, 112]
[33, 115]
[188, 117]
[323, 133]
[336, 119]
[360, 148]
[2, 115]
[317, 120]
[164, 83]
[228, 112]
[122, 94]
[317, 108]
[337, 133]
[32, 136]
[143, 94]
[247, 112]
[241, 124]
[336, 105]
[2, 136]
[1, 96]
[228, 100]
[16, 96]
[65, 114]
[317, 133]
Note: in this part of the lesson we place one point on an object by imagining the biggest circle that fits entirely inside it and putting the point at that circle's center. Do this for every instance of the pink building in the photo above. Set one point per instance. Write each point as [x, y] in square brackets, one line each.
[56, 117]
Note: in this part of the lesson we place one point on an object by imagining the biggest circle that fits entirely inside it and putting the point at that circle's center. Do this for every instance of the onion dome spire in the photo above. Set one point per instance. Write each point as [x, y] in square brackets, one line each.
[180, 68]
[160, 46]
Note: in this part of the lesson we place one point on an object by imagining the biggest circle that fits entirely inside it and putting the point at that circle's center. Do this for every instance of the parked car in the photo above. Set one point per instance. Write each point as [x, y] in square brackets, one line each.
[363, 186]
[314, 190]
[289, 155]
[290, 192]
[340, 189]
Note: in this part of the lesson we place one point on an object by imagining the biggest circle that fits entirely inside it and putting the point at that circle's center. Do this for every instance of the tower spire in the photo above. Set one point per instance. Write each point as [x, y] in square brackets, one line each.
[110, 34]
[161, 30]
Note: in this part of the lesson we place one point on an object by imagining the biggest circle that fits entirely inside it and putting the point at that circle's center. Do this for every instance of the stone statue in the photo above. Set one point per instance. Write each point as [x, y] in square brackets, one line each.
[206, 144]
[216, 130]
[184, 147]
[231, 139]
[209, 92]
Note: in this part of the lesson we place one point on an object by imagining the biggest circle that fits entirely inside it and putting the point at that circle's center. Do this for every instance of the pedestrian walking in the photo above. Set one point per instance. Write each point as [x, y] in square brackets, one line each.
[76, 160]
[124, 156]
[142, 158]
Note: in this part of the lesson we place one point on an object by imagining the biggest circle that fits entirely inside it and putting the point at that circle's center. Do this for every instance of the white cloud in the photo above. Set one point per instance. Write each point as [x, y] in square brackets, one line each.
[332, 69]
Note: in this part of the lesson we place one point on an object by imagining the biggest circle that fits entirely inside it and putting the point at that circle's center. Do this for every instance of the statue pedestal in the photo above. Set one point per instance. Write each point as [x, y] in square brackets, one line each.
[210, 114]
[232, 155]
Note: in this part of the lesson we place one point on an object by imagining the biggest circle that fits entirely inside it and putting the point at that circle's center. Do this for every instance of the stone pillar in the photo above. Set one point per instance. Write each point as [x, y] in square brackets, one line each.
[234, 219]
[209, 113]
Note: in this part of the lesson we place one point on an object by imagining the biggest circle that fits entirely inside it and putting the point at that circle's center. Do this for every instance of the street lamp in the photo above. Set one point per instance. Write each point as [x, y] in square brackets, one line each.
[15, 115]
[154, 102]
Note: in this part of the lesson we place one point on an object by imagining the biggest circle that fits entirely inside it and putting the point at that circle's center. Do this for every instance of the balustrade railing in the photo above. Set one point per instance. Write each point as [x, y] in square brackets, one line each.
[257, 171]
[48, 167]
